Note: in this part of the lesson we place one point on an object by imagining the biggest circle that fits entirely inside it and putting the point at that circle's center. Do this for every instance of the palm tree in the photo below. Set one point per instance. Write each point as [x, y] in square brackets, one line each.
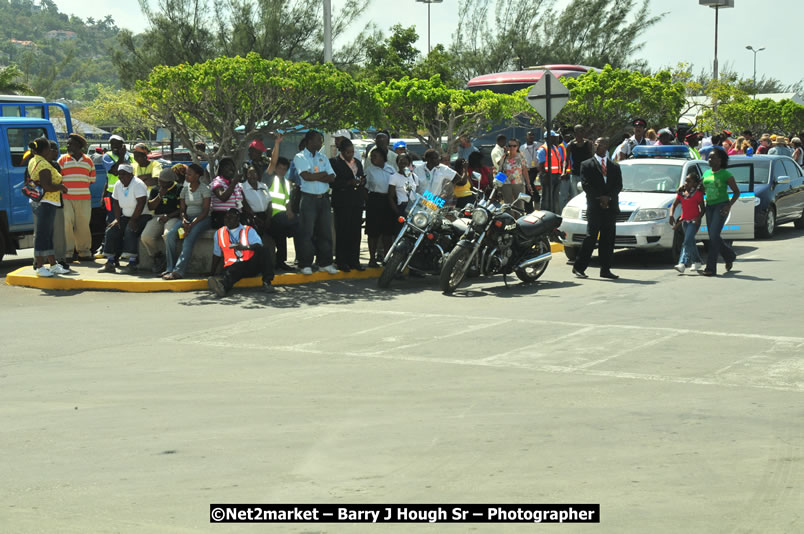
[8, 83]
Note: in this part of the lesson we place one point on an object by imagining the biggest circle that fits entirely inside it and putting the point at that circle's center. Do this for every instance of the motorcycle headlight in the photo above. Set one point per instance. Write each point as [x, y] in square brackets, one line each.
[571, 213]
[420, 220]
[651, 214]
[480, 217]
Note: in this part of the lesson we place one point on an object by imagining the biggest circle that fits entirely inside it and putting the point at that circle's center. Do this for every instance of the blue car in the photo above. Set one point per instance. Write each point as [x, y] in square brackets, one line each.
[778, 186]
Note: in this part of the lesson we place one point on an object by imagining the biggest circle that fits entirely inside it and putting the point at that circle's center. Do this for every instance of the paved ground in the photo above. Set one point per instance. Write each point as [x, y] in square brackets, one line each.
[673, 401]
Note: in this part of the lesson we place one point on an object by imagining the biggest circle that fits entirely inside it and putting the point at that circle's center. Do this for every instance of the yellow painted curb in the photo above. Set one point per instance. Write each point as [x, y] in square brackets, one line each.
[24, 276]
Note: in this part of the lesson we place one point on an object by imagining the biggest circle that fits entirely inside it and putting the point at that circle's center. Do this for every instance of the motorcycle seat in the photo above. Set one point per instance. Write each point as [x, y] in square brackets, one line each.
[538, 222]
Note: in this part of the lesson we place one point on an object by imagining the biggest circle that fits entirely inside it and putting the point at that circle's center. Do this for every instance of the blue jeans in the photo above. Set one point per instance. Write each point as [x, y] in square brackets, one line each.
[122, 240]
[45, 215]
[179, 265]
[689, 250]
[714, 222]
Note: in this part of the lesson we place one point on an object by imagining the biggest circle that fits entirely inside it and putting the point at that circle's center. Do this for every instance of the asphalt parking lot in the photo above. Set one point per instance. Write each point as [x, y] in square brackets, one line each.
[674, 401]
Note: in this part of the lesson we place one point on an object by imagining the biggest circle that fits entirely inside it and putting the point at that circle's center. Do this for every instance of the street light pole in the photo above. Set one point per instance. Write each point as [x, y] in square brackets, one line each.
[327, 31]
[755, 51]
[716, 5]
[428, 2]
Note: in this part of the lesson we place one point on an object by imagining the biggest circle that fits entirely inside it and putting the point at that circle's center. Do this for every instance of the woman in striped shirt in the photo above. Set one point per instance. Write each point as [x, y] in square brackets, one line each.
[226, 191]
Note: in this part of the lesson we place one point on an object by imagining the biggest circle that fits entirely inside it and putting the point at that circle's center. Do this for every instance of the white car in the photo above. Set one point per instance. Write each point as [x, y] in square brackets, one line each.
[649, 188]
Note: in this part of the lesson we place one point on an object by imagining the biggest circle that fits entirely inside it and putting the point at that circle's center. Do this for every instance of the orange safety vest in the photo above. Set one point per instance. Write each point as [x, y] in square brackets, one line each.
[230, 255]
[556, 161]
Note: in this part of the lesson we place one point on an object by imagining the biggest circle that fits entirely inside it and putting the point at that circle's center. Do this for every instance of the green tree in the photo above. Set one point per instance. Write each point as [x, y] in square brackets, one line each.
[10, 83]
[394, 57]
[431, 108]
[605, 101]
[194, 31]
[525, 33]
[216, 97]
[117, 111]
[441, 62]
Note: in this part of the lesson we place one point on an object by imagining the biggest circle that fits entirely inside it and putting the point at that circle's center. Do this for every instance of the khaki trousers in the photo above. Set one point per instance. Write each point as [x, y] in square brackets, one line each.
[152, 235]
[77, 236]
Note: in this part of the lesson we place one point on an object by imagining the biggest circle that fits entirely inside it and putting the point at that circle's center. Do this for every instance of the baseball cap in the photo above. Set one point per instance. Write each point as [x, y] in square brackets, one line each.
[259, 145]
[400, 144]
[167, 175]
[116, 138]
[140, 147]
[665, 131]
[343, 132]
[125, 167]
[79, 138]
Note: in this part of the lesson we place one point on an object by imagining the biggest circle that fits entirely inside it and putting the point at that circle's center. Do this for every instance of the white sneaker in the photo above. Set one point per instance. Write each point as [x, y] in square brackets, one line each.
[58, 269]
[307, 270]
[680, 267]
[331, 269]
[696, 266]
[44, 271]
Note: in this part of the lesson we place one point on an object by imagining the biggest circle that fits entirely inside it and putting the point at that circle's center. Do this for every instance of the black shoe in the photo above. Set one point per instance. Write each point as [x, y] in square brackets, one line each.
[610, 275]
[729, 265]
[708, 273]
[216, 286]
[282, 266]
[267, 287]
[358, 267]
[108, 268]
[373, 265]
[579, 273]
[345, 268]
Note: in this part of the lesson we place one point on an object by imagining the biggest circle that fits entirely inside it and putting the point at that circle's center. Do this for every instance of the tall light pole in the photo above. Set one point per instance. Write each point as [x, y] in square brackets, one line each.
[327, 31]
[755, 51]
[716, 5]
[428, 2]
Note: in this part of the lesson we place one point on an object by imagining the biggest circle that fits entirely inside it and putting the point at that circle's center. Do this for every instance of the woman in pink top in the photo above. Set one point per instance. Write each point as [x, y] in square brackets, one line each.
[691, 198]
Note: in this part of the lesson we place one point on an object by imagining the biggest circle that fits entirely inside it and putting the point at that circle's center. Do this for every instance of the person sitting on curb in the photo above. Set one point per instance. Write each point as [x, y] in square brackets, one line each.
[123, 234]
[163, 201]
[195, 202]
[240, 248]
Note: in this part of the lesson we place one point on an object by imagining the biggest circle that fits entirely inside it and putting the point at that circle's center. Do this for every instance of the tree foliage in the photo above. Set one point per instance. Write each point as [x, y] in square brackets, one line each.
[194, 31]
[606, 101]
[216, 97]
[10, 81]
[525, 33]
[118, 111]
[430, 107]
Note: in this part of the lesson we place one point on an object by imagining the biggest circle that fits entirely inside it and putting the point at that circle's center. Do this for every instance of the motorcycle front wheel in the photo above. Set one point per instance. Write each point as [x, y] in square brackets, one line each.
[454, 269]
[392, 267]
[531, 274]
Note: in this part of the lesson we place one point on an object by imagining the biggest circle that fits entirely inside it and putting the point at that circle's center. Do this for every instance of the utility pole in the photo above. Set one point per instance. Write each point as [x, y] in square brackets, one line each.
[327, 31]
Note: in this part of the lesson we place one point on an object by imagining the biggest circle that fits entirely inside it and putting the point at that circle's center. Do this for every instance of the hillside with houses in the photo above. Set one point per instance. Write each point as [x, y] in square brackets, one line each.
[60, 56]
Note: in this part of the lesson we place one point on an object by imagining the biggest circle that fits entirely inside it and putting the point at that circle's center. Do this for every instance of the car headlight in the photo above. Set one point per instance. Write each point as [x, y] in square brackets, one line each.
[651, 214]
[480, 217]
[757, 201]
[571, 213]
[420, 219]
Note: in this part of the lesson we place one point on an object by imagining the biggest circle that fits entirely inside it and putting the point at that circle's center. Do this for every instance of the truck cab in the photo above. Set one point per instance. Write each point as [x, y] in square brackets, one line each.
[23, 119]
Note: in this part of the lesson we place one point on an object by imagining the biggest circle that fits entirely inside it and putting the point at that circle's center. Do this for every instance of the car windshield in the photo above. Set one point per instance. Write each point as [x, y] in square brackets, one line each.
[742, 173]
[651, 178]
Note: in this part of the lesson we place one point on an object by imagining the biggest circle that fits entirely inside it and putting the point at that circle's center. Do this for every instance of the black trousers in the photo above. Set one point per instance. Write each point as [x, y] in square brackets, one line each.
[348, 221]
[260, 263]
[283, 227]
[603, 222]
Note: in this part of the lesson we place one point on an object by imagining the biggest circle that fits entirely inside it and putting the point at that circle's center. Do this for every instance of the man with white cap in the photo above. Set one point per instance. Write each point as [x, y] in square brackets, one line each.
[128, 205]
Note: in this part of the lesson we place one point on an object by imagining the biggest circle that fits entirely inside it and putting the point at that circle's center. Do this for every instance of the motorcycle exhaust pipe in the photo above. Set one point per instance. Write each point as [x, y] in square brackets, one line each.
[535, 261]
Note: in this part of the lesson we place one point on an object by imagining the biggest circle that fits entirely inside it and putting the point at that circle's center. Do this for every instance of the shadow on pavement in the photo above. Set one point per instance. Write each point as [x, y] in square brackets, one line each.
[783, 233]
[295, 296]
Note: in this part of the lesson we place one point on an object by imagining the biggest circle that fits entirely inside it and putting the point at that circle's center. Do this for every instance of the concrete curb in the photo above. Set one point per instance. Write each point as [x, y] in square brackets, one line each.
[25, 277]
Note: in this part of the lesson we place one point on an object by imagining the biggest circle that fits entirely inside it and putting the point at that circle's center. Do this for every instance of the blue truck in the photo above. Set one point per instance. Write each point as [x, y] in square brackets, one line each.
[23, 119]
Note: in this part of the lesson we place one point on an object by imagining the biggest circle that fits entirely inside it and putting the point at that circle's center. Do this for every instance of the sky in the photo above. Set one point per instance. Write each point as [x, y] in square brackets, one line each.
[685, 32]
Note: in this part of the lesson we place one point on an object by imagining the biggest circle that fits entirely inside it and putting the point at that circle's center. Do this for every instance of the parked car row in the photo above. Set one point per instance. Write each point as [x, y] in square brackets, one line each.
[772, 193]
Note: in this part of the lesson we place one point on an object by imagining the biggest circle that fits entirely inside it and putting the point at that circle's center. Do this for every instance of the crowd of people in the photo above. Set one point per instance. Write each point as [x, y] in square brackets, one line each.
[254, 210]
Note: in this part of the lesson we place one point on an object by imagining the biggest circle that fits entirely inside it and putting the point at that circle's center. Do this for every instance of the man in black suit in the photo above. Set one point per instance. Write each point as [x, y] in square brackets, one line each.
[602, 181]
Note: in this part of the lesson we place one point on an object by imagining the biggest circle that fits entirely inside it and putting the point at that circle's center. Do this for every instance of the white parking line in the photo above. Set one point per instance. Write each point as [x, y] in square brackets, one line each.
[655, 341]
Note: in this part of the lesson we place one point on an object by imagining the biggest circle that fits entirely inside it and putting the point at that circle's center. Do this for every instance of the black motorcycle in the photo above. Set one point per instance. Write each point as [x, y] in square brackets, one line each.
[501, 240]
[429, 232]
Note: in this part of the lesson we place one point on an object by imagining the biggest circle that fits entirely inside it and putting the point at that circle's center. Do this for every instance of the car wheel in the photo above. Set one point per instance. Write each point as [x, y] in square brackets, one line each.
[768, 227]
[799, 223]
[571, 253]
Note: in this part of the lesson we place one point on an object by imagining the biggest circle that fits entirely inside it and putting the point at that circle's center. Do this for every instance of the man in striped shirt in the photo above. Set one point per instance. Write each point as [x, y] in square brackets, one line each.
[77, 172]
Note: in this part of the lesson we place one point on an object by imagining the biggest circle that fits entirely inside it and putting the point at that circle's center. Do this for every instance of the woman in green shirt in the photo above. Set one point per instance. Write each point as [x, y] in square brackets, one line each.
[716, 182]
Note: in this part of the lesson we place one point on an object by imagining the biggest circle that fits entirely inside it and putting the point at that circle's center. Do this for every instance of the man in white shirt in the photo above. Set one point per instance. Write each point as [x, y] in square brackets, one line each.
[624, 150]
[257, 197]
[129, 197]
[434, 176]
[498, 151]
[528, 151]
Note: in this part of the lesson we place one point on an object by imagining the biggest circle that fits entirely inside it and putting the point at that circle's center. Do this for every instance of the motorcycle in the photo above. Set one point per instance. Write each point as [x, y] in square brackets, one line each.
[501, 240]
[427, 236]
